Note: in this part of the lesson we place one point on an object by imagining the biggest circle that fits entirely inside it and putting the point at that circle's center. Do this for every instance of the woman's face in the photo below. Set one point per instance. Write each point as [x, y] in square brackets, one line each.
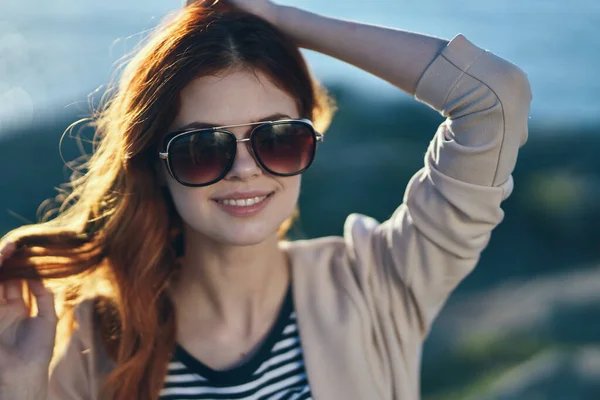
[236, 98]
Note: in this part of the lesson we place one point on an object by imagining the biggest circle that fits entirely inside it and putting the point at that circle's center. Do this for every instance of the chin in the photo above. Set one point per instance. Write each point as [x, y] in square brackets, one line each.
[233, 235]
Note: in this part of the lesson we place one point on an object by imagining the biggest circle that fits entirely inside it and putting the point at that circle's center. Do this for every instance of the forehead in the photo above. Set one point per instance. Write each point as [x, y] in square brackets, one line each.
[234, 98]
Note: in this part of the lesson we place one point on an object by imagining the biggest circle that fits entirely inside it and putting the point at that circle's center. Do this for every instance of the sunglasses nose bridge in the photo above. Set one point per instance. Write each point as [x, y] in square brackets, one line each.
[245, 164]
[244, 140]
[247, 143]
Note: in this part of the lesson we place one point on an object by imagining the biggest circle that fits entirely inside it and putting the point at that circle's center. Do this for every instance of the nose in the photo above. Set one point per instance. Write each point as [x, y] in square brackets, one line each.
[244, 165]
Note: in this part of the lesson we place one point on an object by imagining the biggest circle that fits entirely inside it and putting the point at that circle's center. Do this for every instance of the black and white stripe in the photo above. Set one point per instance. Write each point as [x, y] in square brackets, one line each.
[275, 372]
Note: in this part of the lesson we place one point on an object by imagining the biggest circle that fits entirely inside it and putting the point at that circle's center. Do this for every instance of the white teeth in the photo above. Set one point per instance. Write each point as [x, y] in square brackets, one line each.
[242, 202]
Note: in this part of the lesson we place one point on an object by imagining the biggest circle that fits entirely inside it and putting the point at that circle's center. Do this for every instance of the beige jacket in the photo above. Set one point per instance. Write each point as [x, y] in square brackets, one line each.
[366, 301]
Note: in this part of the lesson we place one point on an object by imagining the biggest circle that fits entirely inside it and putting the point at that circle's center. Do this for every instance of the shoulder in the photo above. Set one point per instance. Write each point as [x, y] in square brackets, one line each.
[82, 365]
[89, 315]
[334, 255]
[83, 313]
[356, 231]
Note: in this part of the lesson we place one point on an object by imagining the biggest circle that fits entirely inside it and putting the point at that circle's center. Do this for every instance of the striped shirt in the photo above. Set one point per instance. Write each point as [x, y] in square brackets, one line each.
[275, 372]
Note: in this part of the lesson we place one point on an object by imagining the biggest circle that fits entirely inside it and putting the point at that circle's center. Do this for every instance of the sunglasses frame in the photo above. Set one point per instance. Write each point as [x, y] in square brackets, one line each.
[170, 138]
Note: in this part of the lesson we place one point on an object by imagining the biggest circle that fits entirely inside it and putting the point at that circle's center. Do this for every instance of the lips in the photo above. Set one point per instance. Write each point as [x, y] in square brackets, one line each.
[242, 195]
[243, 204]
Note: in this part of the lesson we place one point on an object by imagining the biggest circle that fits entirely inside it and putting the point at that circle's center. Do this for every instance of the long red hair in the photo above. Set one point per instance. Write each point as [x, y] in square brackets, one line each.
[114, 236]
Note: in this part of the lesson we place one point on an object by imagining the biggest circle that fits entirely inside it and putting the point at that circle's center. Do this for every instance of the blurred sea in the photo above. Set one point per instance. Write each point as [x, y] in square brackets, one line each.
[53, 53]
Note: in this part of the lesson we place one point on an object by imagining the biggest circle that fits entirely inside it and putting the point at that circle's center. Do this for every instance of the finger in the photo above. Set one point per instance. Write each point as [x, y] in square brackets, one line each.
[11, 312]
[7, 251]
[13, 293]
[44, 299]
[14, 290]
[2, 294]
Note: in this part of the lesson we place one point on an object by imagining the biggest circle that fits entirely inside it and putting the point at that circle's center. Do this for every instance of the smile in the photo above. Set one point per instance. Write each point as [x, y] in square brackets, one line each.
[244, 205]
[242, 202]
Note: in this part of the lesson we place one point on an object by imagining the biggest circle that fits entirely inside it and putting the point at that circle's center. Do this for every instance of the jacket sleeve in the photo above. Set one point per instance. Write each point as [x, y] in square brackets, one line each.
[414, 260]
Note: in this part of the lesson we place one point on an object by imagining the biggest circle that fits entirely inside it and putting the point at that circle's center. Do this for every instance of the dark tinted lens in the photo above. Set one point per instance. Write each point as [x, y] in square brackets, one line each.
[201, 157]
[285, 148]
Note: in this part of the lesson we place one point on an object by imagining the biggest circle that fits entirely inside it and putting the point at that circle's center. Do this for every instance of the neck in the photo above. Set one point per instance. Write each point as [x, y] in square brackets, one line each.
[234, 286]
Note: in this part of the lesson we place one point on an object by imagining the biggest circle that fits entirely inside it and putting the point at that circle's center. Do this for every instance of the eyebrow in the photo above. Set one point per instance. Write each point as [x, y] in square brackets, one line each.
[201, 124]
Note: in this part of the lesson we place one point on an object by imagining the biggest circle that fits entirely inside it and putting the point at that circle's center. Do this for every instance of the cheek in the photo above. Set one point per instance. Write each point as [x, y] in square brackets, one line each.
[187, 201]
[291, 191]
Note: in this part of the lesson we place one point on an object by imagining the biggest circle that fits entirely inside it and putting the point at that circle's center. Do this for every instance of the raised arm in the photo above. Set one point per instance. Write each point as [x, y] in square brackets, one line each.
[413, 261]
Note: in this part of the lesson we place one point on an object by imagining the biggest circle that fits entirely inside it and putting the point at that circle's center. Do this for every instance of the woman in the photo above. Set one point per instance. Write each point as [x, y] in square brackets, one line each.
[169, 267]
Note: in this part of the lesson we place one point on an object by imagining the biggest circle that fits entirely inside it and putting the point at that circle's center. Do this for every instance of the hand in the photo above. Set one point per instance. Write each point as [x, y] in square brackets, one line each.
[265, 9]
[26, 343]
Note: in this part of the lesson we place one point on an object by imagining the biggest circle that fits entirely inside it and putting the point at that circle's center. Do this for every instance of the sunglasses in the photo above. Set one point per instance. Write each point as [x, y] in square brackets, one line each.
[201, 157]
